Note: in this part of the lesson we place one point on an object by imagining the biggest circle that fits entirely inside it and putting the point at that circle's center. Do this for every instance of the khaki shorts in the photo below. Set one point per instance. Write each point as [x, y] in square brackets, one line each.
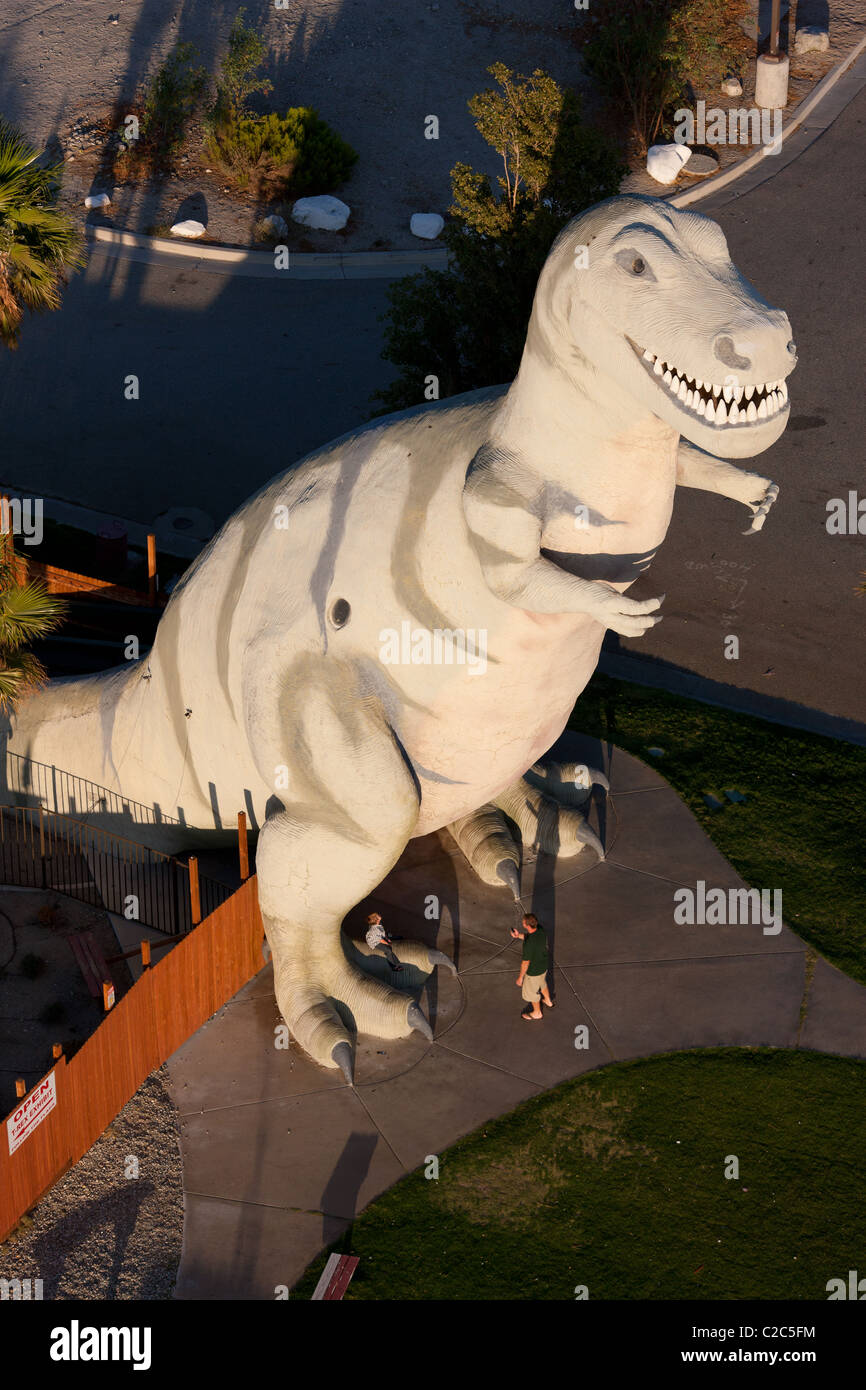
[532, 987]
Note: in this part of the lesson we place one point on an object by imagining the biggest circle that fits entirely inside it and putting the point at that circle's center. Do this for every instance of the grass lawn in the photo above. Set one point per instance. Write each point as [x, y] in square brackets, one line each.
[616, 1181]
[801, 827]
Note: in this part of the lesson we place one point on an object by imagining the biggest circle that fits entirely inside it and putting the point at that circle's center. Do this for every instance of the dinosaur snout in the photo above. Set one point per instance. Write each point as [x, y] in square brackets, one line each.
[760, 349]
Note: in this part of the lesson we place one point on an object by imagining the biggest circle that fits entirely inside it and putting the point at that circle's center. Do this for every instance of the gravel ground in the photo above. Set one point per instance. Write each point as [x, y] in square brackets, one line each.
[374, 71]
[99, 1234]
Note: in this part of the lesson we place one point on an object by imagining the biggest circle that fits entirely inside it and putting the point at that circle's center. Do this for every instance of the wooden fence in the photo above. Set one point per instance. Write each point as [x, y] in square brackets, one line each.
[167, 1004]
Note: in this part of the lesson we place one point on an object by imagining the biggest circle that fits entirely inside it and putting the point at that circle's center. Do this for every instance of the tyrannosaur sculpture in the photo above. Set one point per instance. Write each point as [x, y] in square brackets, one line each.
[386, 638]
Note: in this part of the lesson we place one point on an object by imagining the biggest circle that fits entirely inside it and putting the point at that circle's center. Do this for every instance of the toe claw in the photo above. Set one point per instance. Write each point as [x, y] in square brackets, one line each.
[587, 836]
[416, 1020]
[506, 869]
[435, 957]
[341, 1053]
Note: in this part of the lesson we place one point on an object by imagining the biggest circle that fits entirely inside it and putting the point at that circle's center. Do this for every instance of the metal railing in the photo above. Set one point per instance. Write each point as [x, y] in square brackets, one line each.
[65, 794]
[43, 849]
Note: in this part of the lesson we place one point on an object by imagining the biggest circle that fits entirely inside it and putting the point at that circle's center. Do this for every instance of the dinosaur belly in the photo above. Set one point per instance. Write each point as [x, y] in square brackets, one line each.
[484, 728]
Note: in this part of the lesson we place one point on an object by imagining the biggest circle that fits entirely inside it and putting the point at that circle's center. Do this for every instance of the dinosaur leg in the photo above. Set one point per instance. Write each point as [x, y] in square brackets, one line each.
[357, 807]
[548, 808]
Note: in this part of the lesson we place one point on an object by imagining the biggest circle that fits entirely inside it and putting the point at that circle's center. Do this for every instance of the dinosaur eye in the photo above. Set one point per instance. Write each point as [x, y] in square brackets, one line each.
[638, 266]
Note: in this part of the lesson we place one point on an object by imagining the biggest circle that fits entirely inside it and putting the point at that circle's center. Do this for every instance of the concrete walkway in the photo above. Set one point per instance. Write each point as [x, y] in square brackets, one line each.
[280, 1155]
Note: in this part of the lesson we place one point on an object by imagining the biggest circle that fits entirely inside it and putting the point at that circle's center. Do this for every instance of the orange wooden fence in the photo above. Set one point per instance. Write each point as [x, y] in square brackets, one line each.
[166, 1005]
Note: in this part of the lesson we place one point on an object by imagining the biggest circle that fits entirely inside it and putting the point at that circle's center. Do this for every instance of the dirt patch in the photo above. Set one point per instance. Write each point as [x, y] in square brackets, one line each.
[512, 1190]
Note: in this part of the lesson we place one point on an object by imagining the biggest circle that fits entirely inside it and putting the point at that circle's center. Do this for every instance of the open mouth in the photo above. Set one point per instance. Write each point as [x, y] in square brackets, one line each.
[718, 404]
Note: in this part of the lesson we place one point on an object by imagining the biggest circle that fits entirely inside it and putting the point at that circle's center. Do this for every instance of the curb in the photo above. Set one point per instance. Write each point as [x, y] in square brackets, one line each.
[756, 160]
[303, 265]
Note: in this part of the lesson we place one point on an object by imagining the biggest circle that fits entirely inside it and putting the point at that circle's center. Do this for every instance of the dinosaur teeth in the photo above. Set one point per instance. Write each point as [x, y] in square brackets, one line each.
[726, 404]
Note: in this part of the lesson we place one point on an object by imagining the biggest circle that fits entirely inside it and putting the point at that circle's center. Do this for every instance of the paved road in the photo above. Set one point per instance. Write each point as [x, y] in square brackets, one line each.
[787, 592]
[237, 378]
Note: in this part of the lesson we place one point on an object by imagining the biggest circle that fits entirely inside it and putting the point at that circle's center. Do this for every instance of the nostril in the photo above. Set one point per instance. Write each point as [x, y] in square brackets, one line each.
[727, 354]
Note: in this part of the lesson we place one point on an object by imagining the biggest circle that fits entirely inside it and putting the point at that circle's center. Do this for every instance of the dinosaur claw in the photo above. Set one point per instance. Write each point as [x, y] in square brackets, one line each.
[416, 1020]
[439, 958]
[589, 837]
[341, 1053]
[506, 869]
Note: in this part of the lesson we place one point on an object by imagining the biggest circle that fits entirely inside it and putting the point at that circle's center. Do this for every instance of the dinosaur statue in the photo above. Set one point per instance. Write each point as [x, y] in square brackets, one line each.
[384, 638]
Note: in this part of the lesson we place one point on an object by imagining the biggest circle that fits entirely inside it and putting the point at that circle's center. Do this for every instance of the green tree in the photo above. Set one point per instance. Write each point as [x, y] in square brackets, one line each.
[466, 325]
[39, 245]
[246, 52]
[27, 612]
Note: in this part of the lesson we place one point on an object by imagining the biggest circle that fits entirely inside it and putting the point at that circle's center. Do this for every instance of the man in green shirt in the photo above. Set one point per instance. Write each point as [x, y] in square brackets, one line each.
[533, 967]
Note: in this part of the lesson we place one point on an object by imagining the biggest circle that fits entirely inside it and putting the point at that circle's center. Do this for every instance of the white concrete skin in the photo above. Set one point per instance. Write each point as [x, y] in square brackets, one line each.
[266, 687]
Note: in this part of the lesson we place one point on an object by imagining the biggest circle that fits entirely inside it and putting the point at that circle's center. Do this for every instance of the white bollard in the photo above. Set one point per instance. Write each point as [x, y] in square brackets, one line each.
[771, 82]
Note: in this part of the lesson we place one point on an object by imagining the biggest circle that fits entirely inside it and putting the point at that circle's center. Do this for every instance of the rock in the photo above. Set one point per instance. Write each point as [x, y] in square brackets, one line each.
[664, 162]
[732, 87]
[427, 225]
[701, 164]
[733, 795]
[97, 200]
[325, 212]
[276, 225]
[656, 752]
[712, 802]
[811, 39]
[190, 228]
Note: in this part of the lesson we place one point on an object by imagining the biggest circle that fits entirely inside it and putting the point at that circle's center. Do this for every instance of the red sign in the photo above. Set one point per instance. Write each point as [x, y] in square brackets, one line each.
[31, 1112]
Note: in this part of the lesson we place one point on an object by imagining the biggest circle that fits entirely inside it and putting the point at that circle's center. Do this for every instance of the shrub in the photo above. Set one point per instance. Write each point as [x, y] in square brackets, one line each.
[32, 966]
[645, 52]
[467, 325]
[170, 102]
[296, 153]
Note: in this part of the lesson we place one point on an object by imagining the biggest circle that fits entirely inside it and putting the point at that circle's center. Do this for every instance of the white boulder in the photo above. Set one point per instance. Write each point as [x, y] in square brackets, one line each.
[190, 228]
[325, 212]
[97, 200]
[732, 87]
[664, 162]
[812, 39]
[426, 224]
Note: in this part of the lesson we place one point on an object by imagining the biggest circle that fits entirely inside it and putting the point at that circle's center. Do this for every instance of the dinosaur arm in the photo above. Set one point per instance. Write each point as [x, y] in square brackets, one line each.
[699, 470]
[507, 541]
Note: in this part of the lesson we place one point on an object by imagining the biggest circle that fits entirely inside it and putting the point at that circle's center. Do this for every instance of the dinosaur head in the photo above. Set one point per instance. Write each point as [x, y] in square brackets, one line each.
[646, 295]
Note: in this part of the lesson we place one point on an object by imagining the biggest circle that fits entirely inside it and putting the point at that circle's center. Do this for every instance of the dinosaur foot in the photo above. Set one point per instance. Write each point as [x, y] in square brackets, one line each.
[545, 810]
[327, 1004]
